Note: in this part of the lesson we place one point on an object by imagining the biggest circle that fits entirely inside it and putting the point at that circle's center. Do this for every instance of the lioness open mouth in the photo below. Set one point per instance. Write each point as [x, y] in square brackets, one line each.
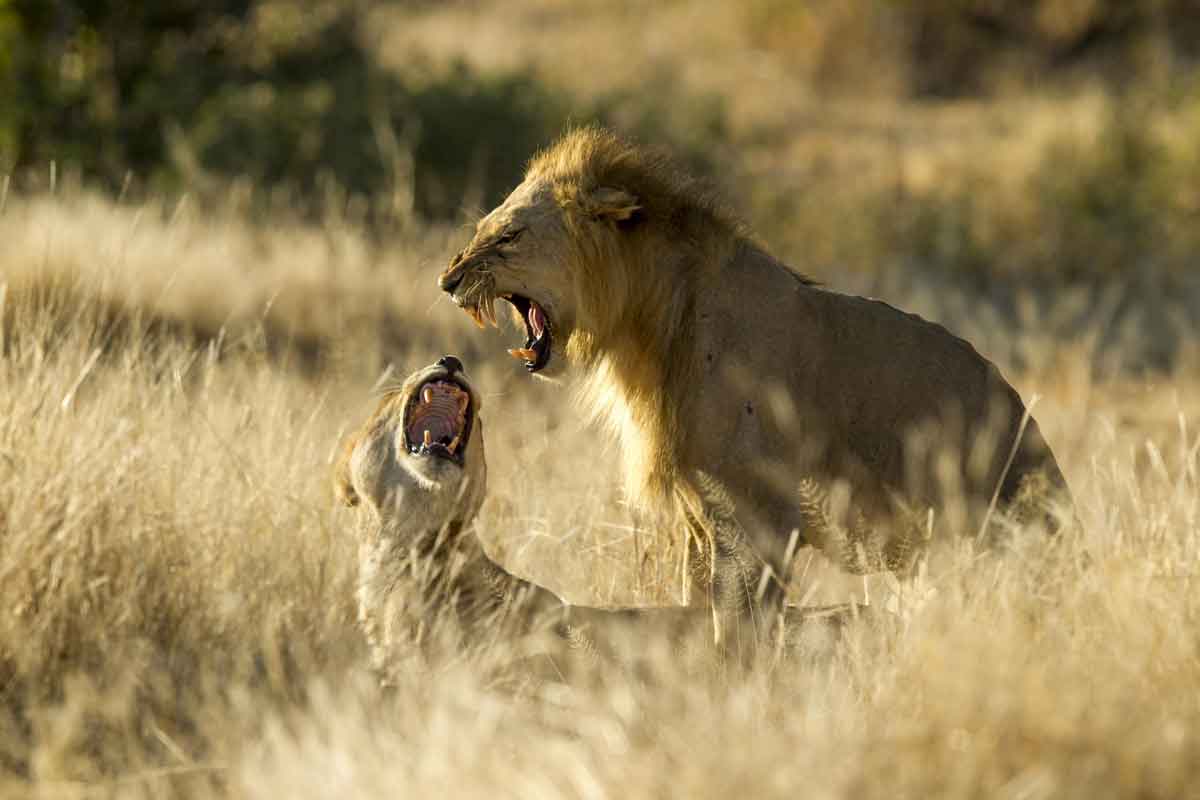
[536, 352]
[438, 419]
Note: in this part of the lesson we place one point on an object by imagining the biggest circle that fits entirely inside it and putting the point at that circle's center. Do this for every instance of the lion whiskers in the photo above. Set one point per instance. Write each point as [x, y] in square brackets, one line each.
[479, 296]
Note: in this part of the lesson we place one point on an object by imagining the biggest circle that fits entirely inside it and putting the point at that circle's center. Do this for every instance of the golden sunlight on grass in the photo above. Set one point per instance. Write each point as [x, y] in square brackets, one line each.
[176, 588]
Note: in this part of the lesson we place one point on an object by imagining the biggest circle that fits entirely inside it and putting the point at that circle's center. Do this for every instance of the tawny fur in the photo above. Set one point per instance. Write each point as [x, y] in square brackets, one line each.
[427, 589]
[704, 354]
[428, 592]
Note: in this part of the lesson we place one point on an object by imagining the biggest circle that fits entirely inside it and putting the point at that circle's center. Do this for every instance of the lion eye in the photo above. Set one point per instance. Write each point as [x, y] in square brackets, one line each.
[508, 237]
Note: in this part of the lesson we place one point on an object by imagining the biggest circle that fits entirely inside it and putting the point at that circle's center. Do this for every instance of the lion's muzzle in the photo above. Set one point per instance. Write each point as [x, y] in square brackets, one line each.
[449, 280]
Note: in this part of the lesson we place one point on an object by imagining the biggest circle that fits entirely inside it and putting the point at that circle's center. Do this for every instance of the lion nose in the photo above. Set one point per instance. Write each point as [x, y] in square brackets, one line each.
[451, 363]
[449, 281]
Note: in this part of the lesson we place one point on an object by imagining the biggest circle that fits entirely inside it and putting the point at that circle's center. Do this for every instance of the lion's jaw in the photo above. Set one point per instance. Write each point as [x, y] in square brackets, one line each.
[519, 254]
[440, 445]
[422, 462]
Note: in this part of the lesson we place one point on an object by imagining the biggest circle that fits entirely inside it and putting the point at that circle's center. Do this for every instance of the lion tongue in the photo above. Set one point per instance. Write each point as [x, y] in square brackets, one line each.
[537, 319]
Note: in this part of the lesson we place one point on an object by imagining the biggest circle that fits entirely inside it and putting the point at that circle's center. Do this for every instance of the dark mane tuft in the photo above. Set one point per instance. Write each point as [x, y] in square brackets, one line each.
[587, 158]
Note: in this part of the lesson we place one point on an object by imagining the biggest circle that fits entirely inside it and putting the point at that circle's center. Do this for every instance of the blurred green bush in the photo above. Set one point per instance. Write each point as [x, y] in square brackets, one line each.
[287, 97]
[1125, 201]
[281, 95]
[1120, 201]
[959, 48]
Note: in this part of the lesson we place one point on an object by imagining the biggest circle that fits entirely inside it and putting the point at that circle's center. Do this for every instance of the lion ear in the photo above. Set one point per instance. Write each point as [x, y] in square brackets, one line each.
[615, 205]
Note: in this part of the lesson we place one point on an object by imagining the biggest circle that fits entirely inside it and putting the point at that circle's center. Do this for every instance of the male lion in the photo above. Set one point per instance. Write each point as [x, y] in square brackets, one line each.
[834, 416]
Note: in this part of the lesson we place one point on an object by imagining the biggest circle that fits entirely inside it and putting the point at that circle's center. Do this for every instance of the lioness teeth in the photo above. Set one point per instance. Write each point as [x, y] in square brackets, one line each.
[427, 395]
[428, 438]
[523, 354]
[473, 310]
[454, 444]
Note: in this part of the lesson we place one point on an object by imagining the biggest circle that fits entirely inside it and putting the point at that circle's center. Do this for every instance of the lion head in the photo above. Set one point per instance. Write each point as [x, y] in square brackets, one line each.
[601, 251]
[569, 249]
[419, 459]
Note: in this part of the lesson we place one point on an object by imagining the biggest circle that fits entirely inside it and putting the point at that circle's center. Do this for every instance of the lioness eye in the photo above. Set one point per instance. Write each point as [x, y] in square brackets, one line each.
[508, 237]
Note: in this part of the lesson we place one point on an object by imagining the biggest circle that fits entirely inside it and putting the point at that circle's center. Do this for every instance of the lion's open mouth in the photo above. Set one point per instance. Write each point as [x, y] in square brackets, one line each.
[438, 419]
[536, 352]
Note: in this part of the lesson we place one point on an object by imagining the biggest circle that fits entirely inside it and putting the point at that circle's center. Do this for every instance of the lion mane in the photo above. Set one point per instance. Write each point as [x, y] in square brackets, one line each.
[636, 302]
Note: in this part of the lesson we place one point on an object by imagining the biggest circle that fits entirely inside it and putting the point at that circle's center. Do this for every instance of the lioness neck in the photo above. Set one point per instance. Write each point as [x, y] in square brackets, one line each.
[440, 563]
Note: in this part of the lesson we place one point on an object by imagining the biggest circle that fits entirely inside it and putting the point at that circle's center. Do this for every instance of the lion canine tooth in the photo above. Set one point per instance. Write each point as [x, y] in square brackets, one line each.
[427, 394]
[428, 438]
[454, 444]
[473, 311]
[489, 311]
[523, 354]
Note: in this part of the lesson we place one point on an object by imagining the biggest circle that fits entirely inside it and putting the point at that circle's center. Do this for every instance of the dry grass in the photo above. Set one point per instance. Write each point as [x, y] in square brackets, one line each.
[176, 610]
[176, 586]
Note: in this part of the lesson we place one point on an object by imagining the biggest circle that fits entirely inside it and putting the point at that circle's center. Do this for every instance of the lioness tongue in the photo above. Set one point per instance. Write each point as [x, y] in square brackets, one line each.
[537, 319]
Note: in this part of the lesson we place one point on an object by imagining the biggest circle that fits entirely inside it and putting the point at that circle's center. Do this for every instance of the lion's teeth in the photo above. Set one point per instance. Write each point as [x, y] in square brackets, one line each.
[489, 311]
[428, 438]
[454, 444]
[473, 310]
[427, 395]
[523, 354]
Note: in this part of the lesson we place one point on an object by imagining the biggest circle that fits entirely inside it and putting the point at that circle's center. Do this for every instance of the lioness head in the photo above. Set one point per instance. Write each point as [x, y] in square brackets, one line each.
[572, 247]
[419, 458]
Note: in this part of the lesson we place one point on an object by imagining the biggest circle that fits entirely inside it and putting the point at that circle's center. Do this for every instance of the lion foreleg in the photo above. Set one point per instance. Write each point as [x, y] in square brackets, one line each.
[748, 595]
[695, 560]
[685, 567]
[747, 590]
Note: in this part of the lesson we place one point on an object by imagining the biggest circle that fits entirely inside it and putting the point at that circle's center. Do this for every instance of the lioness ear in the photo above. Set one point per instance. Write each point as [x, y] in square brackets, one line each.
[616, 205]
[343, 485]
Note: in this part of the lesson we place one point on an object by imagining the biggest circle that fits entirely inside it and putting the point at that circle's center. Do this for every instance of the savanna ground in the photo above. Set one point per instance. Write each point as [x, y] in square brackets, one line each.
[176, 585]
